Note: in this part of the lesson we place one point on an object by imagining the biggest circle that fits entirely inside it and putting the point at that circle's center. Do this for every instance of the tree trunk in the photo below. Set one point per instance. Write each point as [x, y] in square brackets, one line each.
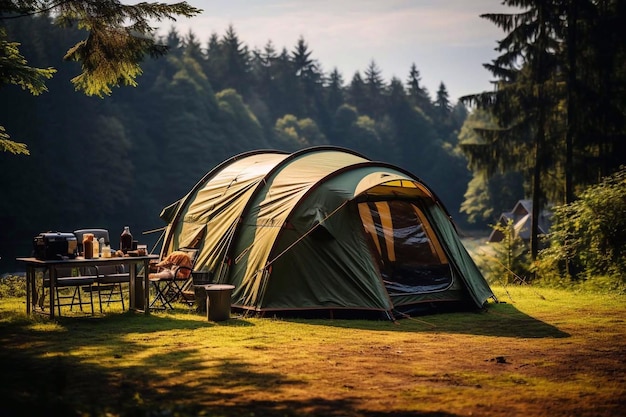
[536, 199]
[572, 97]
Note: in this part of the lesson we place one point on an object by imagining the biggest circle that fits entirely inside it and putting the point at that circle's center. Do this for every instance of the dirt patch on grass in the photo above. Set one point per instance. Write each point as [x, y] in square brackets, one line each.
[464, 375]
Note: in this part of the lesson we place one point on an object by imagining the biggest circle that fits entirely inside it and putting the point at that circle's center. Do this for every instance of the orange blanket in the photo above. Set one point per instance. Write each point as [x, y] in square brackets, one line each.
[176, 259]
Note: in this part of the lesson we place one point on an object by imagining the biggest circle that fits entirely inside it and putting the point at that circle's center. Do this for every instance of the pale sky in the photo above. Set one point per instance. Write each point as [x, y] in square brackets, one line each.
[446, 39]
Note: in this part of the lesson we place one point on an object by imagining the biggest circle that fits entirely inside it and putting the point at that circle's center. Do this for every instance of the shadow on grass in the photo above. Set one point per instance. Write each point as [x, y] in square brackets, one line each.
[498, 320]
[43, 378]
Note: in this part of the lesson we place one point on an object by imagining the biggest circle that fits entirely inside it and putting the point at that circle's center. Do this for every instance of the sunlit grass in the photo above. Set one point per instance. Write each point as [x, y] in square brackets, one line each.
[543, 352]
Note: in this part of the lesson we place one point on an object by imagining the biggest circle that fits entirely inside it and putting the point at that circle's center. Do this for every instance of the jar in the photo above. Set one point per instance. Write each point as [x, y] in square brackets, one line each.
[96, 248]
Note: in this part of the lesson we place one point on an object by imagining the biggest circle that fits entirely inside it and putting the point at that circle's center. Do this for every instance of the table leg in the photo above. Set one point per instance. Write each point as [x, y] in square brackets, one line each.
[29, 292]
[134, 290]
[53, 283]
[139, 289]
[146, 287]
[33, 290]
[132, 302]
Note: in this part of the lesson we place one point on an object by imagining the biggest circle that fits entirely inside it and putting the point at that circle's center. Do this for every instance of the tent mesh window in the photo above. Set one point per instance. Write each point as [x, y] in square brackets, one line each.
[411, 259]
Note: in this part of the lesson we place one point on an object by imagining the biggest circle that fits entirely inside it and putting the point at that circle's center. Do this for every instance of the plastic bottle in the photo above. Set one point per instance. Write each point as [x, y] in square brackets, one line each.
[126, 240]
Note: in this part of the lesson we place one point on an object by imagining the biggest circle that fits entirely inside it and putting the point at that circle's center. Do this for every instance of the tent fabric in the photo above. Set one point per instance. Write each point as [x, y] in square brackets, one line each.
[323, 228]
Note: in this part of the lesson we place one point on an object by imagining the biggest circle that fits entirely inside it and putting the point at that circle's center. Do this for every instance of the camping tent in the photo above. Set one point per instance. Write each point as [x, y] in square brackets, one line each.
[323, 229]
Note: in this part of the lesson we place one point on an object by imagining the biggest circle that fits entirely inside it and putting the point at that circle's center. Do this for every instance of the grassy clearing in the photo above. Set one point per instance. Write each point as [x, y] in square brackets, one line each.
[541, 353]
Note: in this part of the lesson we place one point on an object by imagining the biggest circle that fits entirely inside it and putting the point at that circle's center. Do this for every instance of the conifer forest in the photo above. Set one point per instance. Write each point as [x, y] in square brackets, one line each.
[554, 123]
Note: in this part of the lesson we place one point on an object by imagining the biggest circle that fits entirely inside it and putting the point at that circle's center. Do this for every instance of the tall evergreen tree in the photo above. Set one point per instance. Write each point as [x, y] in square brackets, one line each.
[236, 58]
[335, 91]
[192, 47]
[214, 66]
[304, 66]
[374, 104]
[595, 52]
[309, 80]
[287, 92]
[262, 67]
[442, 102]
[174, 42]
[357, 94]
[486, 196]
[525, 100]
[418, 94]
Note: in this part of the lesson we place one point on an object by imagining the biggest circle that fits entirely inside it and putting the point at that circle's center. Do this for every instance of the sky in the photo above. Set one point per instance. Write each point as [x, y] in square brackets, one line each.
[447, 40]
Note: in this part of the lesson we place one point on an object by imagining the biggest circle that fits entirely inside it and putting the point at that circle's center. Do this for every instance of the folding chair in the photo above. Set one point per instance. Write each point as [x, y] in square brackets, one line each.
[68, 289]
[108, 284]
[108, 278]
[172, 276]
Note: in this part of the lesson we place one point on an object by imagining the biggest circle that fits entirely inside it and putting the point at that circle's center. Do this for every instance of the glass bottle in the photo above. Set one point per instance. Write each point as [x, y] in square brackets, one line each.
[126, 240]
[88, 245]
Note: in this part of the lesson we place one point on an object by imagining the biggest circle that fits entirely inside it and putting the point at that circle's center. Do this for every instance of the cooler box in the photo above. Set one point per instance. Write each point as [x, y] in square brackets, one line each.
[55, 245]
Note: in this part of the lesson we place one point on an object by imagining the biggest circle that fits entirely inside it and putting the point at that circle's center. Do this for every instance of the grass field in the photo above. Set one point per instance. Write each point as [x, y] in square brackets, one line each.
[538, 353]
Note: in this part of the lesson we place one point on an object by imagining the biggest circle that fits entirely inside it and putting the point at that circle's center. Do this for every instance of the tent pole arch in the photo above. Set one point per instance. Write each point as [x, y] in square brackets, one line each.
[184, 200]
[278, 167]
[353, 167]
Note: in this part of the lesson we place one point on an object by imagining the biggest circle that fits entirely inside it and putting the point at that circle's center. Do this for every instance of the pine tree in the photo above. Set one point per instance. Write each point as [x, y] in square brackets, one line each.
[335, 91]
[304, 66]
[593, 59]
[236, 60]
[14, 70]
[357, 94]
[487, 195]
[442, 103]
[287, 95]
[119, 36]
[309, 80]
[192, 47]
[374, 104]
[525, 100]
[419, 95]
[214, 65]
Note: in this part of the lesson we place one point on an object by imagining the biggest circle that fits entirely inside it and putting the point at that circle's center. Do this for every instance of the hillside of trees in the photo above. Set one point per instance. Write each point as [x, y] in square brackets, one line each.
[120, 160]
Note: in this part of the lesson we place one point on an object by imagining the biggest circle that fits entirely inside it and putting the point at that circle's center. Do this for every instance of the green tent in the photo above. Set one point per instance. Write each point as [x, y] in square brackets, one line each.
[323, 229]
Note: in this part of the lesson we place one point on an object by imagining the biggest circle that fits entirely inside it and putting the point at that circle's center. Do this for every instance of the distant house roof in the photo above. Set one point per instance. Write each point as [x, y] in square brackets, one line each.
[521, 216]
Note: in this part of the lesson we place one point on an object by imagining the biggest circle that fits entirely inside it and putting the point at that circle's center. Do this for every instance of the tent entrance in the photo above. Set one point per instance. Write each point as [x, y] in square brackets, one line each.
[410, 257]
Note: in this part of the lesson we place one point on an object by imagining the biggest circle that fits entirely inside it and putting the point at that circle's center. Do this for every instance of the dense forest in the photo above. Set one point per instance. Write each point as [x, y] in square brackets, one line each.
[120, 160]
[553, 126]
